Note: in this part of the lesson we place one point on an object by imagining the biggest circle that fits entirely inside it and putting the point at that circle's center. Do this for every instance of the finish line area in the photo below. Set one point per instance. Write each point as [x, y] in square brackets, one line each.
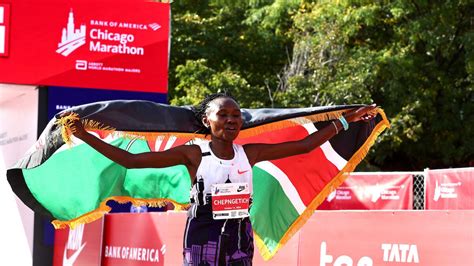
[384, 218]
[328, 238]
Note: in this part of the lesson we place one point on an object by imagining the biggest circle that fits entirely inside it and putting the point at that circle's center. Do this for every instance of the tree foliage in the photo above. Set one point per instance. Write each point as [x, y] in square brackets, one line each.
[413, 58]
[237, 40]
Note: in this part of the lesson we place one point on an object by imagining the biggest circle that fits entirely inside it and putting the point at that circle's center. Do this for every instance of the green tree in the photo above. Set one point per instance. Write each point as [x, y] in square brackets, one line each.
[235, 42]
[414, 58]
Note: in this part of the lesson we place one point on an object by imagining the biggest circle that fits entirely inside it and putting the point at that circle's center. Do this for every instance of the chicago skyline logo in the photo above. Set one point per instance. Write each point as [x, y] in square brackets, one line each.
[71, 38]
[4, 30]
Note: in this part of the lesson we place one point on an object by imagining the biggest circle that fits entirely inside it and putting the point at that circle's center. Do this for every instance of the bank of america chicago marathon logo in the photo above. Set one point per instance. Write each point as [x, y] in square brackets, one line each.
[446, 190]
[374, 193]
[73, 38]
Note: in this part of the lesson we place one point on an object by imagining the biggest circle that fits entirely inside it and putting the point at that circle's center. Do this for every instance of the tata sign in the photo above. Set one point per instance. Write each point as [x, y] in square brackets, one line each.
[75, 43]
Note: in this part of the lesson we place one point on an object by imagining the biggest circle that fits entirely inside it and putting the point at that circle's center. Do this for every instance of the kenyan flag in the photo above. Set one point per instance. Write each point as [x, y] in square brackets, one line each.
[70, 183]
[287, 191]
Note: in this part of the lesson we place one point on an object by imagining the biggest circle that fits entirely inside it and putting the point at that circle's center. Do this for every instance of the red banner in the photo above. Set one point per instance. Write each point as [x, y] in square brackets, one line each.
[80, 246]
[372, 191]
[450, 189]
[388, 238]
[329, 238]
[75, 43]
[134, 239]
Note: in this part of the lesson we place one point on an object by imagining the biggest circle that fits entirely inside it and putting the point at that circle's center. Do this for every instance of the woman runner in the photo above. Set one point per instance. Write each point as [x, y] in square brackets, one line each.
[220, 164]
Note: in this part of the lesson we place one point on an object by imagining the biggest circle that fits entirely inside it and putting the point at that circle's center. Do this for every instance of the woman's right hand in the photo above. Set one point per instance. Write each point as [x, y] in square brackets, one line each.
[74, 125]
[77, 128]
[364, 113]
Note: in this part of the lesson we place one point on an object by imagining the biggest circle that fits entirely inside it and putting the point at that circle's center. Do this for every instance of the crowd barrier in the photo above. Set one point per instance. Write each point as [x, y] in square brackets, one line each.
[373, 191]
[375, 225]
[329, 238]
[449, 189]
[443, 189]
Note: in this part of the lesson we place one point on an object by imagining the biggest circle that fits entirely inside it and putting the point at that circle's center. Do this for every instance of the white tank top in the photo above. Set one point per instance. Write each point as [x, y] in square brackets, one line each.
[214, 170]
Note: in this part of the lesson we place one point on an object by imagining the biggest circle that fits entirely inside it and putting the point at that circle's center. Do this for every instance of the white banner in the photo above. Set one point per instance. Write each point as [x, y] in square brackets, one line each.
[18, 127]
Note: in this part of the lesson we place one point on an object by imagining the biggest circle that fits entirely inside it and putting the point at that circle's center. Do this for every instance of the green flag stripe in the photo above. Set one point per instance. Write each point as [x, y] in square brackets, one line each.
[274, 219]
[81, 177]
[74, 172]
[168, 182]
[285, 183]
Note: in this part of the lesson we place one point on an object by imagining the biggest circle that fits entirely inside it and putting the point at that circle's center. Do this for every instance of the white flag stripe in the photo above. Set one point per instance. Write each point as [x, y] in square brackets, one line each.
[285, 183]
[158, 142]
[327, 149]
[77, 141]
[170, 142]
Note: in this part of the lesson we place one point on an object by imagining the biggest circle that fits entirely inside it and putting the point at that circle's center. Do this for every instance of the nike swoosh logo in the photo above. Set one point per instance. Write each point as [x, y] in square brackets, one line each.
[70, 261]
[241, 172]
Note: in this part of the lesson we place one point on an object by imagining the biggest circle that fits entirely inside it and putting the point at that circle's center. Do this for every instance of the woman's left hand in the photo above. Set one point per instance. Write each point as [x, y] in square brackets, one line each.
[364, 113]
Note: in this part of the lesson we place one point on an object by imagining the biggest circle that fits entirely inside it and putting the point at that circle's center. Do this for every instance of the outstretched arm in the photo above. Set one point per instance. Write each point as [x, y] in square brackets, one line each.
[264, 152]
[179, 155]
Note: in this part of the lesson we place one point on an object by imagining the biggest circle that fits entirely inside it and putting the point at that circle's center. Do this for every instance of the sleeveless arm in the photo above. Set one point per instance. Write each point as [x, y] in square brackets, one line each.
[264, 152]
[186, 154]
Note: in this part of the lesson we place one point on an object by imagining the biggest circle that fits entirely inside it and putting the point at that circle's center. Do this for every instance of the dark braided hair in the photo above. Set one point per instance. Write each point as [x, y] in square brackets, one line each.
[201, 108]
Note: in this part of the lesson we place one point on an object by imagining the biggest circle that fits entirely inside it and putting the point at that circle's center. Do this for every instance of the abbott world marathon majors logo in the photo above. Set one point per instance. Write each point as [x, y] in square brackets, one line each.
[100, 31]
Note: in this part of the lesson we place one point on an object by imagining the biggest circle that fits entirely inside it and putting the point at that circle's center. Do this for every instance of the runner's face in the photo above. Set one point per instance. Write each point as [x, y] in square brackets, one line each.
[224, 118]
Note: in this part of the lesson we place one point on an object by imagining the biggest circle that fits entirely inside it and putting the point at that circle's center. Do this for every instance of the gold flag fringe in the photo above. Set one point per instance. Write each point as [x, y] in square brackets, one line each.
[67, 126]
[330, 187]
[67, 122]
[250, 132]
[104, 209]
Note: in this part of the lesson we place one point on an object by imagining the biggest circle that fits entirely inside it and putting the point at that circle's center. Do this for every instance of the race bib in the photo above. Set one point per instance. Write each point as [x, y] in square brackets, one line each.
[230, 201]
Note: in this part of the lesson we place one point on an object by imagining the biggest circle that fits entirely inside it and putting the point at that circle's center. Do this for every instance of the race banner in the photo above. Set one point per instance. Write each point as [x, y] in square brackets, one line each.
[78, 246]
[76, 44]
[327, 239]
[134, 239]
[372, 191]
[436, 238]
[17, 103]
[450, 189]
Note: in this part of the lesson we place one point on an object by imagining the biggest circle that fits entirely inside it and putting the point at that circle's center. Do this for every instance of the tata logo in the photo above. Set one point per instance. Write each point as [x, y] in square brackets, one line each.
[71, 37]
[4, 28]
[392, 253]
